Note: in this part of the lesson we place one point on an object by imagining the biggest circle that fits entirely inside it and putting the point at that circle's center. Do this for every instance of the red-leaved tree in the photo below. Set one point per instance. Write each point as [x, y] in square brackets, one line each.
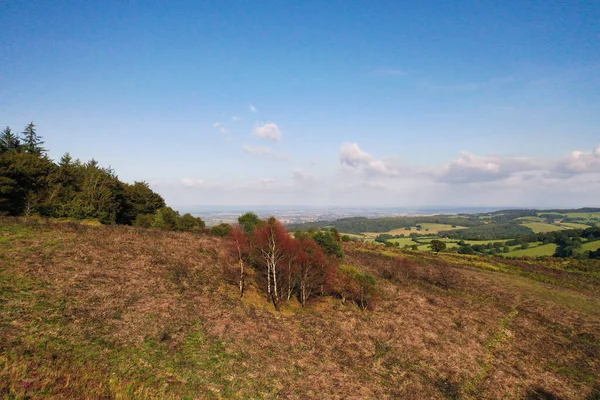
[312, 269]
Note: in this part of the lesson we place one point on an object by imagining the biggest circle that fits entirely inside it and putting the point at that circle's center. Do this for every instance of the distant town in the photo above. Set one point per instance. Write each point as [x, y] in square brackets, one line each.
[299, 214]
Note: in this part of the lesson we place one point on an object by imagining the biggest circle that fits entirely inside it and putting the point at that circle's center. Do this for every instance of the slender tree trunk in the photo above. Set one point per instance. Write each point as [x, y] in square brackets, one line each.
[303, 292]
[275, 290]
[289, 293]
[268, 281]
[241, 270]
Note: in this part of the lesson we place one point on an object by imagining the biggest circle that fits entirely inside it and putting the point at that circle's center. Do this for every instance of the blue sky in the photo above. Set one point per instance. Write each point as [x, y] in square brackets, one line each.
[383, 103]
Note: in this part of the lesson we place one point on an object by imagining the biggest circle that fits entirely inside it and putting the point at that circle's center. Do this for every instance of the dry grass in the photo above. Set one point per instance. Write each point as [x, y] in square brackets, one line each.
[116, 312]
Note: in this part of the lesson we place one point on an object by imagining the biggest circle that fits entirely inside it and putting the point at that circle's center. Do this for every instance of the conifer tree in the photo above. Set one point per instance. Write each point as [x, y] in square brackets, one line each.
[32, 143]
[8, 141]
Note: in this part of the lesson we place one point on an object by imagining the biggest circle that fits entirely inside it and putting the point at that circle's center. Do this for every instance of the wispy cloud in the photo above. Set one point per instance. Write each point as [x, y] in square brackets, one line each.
[220, 127]
[351, 155]
[253, 108]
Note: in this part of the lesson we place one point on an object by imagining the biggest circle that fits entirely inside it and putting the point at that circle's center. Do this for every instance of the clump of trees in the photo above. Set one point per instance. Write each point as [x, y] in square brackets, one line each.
[491, 231]
[32, 184]
[286, 266]
[437, 245]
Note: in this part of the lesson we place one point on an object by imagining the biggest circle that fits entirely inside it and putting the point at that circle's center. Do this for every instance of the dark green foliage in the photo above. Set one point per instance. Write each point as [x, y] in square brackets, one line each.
[466, 249]
[327, 240]
[249, 222]
[32, 184]
[221, 229]
[9, 141]
[32, 143]
[384, 237]
[358, 225]
[510, 215]
[489, 231]
[23, 182]
[144, 220]
[567, 246]
[138, 199]
[189, 223]
[437, 245]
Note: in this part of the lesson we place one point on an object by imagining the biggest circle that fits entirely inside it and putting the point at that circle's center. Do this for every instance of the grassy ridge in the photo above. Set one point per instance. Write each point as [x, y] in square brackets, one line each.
[118, 312]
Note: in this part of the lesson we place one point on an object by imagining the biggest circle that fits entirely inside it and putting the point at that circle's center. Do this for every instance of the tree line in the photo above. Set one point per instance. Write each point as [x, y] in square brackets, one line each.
[32, 184]
[358, 225]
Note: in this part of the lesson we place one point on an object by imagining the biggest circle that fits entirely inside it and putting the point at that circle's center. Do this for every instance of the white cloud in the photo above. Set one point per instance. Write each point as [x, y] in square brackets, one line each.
[469, 168]
[468, 180]
[268, 130]
[192, 183]
[252, 108]
[580, 162]
[353, 156]
[235, 118]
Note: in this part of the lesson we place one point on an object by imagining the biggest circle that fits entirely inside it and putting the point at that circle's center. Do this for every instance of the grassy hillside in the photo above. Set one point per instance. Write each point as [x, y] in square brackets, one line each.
[534, 251]
[119, 312]
[538, 227]
[424, 228]
[595, 245]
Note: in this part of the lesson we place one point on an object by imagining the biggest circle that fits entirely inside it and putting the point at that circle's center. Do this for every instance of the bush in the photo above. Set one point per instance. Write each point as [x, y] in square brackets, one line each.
[327, 240]
[221, 230]
[353, 284]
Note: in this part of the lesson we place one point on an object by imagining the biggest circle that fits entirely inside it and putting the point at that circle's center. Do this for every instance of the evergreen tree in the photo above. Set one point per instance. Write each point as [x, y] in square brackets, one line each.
[8, 141]
[32, 143]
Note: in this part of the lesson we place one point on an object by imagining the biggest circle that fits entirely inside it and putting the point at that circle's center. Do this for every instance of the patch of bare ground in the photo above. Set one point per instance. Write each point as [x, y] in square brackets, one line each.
[117, 312]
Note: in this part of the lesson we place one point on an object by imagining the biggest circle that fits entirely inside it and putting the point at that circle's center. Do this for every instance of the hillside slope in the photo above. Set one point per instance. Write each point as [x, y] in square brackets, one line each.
[118, 312]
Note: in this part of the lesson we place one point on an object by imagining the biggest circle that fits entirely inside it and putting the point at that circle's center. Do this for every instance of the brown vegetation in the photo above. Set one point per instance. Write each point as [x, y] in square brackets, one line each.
[120, 312]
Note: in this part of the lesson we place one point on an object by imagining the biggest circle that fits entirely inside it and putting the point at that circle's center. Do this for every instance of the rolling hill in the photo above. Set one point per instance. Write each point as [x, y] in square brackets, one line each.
[123, 312]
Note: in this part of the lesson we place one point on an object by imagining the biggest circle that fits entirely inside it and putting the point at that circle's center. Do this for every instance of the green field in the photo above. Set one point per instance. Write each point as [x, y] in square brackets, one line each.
[428, 239]
[403, 241]
[540, 227]
[426, 228]
[595, 245]
[543, 250]
[574, 225]
[592, 215]
[473, 242]
[531, 219]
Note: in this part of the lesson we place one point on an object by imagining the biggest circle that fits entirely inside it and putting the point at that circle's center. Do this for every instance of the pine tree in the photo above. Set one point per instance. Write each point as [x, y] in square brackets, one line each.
[32, 143]
[8, 141]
